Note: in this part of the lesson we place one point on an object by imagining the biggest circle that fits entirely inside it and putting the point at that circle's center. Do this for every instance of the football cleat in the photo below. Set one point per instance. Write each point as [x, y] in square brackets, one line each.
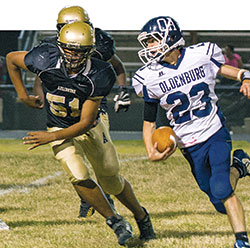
[86, 210]
[3, 226]
[241, 162]
[241, 244]
[121, 228]
[146, 227]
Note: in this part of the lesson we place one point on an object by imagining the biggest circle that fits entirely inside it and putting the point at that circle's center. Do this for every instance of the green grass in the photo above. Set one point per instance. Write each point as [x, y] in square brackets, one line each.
[45, 215]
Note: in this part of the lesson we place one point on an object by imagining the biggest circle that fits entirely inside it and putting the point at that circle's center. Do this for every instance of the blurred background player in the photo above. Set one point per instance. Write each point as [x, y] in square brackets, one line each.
[74, 84]
[104, 50]
[182, 81]
[232, 58]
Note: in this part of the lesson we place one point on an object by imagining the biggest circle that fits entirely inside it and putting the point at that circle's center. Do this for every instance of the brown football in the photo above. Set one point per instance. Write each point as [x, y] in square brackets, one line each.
[165, 137]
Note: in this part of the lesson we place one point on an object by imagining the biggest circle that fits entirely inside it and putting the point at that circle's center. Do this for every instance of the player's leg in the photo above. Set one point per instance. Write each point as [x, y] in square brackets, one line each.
[221, 188]
[78, 174]
[240, 166]
[197, 156]
[88, 189]
[103, 157]
[86, 210]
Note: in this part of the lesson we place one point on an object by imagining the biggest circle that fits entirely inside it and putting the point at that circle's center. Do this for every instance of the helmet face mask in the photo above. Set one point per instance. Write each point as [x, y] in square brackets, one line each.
[76, 43]
[166, 32]
[76, 59]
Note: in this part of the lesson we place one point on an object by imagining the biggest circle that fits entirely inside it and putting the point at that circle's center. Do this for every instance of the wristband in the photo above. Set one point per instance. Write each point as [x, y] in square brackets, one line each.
[245, 75]
[241, 71]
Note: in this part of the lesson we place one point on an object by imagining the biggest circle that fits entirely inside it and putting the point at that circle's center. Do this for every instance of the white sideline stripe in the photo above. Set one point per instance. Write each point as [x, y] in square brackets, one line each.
[3, 226]
[25, 189]
[42, 181]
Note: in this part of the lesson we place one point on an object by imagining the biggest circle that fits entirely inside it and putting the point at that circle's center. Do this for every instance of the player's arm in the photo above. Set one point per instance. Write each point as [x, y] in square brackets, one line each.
[150, 113]
[38, 90]
[237, 74]
[121, 99]
[15, 62]
[88, 117]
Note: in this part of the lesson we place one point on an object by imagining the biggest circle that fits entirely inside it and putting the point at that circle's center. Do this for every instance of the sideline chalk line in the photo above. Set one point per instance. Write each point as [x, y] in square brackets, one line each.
[42, 181]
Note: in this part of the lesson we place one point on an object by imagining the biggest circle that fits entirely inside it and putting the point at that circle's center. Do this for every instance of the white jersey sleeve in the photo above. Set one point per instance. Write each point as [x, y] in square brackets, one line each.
[138, 80]
[216, 56]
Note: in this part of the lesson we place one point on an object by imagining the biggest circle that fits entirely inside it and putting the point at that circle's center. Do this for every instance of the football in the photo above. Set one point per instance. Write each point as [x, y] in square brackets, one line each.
[165, 137]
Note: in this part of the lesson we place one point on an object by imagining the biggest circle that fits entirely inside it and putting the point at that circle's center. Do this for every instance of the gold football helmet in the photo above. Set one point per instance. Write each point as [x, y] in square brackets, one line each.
[76, 42]
[72, 14]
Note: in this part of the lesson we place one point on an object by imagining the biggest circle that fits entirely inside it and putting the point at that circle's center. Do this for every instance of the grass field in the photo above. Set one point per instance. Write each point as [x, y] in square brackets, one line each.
[39, 204]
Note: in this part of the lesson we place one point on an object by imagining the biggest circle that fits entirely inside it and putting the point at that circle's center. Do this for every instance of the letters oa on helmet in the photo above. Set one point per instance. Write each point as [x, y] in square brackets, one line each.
[76, 42]
[166, 32]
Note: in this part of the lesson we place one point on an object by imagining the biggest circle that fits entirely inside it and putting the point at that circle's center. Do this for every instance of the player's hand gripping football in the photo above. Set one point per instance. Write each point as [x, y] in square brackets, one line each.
[38, 138]
[155, 155]
[245, 88]
[122, 99]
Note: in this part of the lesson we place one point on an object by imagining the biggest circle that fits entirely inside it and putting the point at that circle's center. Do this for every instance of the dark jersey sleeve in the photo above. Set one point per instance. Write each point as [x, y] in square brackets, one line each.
[41, 57]
[105, 45]
[103, 77]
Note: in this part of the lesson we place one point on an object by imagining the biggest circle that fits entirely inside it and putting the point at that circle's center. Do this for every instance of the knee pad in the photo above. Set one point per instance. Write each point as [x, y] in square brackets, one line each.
[219, 158]
[112, 185]
[73, 164]
[220, 186]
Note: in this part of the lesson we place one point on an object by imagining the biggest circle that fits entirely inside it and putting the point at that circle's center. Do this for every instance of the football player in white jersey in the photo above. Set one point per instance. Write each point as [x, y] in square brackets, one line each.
[182, 81]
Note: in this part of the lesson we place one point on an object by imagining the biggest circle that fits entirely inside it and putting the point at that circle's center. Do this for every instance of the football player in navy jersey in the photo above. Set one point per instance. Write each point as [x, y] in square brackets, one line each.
[182, 81]
[74, 84]
[104, 50]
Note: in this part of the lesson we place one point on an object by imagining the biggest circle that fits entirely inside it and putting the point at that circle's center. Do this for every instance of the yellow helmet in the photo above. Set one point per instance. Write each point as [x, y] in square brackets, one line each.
[76, 42]
[72, 14]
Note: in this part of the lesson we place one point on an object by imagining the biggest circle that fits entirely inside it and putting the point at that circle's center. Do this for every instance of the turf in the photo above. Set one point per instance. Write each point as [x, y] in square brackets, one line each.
[41, 207]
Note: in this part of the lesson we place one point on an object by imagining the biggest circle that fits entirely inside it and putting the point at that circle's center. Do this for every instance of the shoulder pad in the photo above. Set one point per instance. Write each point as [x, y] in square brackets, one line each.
[49, 39]
[103, 76]
[42, 57]
[105, 45]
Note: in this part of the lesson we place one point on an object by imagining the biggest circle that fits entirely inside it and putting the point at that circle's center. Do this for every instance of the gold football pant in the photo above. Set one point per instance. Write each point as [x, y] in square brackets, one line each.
[99, 149]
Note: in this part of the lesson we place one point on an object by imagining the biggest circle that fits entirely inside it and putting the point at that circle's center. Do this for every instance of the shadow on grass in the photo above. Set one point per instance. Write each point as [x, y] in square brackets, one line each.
[186, 234]
[137, 243]
[14, 224]
[179, 213]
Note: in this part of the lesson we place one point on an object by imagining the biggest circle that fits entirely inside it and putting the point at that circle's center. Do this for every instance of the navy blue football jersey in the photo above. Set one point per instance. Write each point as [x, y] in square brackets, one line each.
[104, 49]
[64, 94]
[105, 45]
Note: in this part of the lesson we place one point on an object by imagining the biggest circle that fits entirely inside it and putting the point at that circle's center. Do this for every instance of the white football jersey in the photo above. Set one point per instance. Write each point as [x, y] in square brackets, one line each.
[186, 91]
